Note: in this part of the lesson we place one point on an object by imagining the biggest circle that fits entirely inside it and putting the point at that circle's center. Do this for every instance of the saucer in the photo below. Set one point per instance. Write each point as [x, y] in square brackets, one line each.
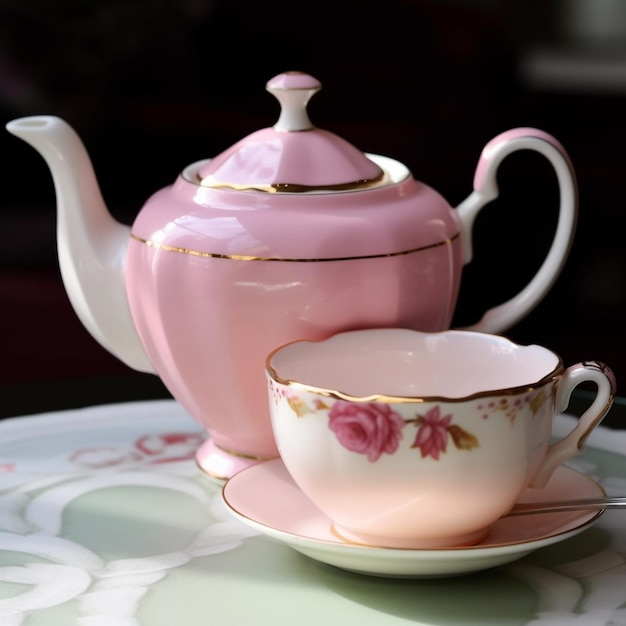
[265, 498]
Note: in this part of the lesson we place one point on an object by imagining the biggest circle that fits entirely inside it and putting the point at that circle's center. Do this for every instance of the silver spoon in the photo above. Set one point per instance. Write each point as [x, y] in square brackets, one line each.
[577, 504]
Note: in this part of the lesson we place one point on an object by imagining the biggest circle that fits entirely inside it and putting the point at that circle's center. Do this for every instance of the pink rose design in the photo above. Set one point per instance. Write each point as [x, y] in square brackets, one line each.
[432, 434]
[367, 428]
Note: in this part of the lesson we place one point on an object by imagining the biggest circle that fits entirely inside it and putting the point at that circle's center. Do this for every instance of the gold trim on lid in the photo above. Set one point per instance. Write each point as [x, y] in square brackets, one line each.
[364, 183]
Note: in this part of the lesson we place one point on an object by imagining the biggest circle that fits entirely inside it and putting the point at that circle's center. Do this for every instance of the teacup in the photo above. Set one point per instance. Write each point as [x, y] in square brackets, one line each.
[407, 439]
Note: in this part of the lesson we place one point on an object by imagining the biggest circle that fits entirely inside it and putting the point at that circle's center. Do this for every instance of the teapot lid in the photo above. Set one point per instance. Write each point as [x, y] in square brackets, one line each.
[293, 156]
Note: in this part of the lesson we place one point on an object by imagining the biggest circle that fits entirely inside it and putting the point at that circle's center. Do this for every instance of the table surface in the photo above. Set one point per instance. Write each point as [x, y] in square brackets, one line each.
[106, 519]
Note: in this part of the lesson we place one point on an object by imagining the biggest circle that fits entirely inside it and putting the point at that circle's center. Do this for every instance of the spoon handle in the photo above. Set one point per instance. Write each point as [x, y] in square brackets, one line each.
[578, 504]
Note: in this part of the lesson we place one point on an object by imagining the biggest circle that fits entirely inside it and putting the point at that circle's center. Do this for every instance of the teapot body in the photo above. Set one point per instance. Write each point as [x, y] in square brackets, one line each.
[214, 288]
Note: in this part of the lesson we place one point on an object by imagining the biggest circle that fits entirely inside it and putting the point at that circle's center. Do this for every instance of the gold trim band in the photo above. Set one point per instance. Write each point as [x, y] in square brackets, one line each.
[378, 397]
[245, 257]
[212, 475]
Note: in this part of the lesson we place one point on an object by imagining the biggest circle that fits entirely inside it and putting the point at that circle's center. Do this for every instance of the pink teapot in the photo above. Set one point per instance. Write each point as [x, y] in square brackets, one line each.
[290, 234]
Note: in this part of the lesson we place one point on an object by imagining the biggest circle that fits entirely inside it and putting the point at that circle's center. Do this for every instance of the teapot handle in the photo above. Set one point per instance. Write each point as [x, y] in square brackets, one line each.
[502, 317]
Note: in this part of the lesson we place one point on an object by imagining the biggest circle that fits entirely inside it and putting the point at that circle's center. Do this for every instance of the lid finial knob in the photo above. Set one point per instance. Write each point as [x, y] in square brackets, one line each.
[293, 90]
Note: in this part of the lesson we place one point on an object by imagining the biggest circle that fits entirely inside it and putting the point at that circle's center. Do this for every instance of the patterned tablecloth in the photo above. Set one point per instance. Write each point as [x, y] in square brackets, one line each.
[105, 520]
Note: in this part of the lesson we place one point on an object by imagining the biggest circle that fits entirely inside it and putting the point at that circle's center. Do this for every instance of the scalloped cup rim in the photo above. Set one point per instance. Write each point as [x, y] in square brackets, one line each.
[384, 364]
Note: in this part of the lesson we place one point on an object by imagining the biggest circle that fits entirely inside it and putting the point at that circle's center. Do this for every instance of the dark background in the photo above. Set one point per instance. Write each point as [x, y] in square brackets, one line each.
[151, 86]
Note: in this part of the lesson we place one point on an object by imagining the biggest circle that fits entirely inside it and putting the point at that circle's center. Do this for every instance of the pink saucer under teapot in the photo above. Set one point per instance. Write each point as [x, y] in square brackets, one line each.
[292, 233]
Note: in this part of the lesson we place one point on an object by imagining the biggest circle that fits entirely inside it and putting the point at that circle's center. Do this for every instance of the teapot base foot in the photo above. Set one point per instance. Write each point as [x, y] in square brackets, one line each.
[219, 465]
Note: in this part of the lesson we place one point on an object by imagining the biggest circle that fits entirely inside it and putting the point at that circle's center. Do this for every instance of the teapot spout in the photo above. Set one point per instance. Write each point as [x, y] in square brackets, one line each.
[91, 244]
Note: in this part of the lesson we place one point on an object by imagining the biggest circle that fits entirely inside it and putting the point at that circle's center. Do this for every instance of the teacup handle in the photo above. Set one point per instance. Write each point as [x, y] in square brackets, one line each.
[572, 444]
[502, 317]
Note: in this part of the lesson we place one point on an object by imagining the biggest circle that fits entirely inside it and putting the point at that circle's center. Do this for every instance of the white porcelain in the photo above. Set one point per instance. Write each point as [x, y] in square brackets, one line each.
[422, 440]
[266, 498]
